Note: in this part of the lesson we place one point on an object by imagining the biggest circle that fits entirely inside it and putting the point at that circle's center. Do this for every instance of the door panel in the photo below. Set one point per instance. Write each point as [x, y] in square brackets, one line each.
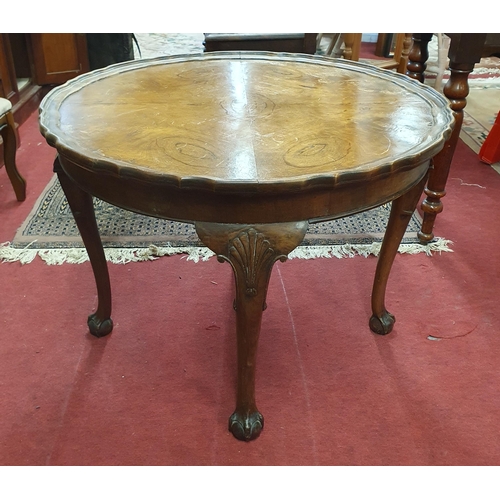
[58, 57]
[8, 86]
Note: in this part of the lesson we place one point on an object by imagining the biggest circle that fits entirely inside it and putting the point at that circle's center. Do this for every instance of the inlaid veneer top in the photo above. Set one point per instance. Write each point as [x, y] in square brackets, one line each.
[245, 117]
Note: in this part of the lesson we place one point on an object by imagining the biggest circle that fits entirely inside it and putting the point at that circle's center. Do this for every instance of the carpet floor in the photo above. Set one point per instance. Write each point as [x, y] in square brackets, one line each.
[160, 388]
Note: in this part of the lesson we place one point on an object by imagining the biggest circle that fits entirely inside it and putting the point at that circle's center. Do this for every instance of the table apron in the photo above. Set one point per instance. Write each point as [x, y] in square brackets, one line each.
[182, 204]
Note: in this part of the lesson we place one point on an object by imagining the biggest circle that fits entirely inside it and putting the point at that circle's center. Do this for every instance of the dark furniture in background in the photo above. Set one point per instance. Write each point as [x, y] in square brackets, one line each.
[466, 49]
[109, 48]
[276, 42]
[31, 63]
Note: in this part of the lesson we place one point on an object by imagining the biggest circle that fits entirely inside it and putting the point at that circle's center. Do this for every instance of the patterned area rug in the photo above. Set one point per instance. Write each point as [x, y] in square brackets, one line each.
[51, 233]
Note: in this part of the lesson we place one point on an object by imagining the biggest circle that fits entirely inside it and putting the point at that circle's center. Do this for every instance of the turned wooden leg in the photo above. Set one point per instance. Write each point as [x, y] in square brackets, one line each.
[402, 209]
[418, 55]
[81, 204]
[252, 251]
[465, 51]
[456, 90]
[8, 132]
[405, 52]
[352, 45]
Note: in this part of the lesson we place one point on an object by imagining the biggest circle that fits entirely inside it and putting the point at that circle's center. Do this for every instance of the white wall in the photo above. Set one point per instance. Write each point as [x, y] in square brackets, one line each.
[369, 37]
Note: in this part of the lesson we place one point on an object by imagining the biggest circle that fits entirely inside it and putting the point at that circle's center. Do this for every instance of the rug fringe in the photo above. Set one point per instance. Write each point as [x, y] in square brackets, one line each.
[347, 250]
[56, 256]
[125, 255]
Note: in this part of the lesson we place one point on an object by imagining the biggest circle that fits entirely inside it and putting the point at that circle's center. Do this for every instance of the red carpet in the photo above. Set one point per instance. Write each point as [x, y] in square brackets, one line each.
[160, 388]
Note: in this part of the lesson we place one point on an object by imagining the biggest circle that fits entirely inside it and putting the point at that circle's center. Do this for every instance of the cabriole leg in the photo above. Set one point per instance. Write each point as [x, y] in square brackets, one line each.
[252, 251]
[81, 204]
[402, 209]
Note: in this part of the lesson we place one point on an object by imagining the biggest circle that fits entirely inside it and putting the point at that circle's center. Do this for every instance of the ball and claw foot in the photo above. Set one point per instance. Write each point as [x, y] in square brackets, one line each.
[382, 325]
[246, 427]
[99, 328]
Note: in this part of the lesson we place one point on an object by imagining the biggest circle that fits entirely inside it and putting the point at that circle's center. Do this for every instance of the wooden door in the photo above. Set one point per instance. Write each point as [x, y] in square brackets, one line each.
[58, 57]
[8, 85]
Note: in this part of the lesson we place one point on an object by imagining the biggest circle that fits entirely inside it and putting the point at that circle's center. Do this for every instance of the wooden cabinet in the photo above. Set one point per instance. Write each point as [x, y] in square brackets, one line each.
[8, 83]
[278, 42]
[58, 57]
[31, 63]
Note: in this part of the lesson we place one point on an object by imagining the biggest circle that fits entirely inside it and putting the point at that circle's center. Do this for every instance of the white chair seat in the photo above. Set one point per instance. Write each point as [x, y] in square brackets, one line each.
[5, 106]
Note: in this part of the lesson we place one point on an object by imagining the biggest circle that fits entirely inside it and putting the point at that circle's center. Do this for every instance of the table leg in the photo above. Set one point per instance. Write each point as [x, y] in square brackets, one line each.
[252, 251]
[82, 207]
[402, 209]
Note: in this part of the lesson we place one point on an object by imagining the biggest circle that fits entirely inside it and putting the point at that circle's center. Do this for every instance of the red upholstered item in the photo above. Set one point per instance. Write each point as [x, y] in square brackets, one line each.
[490, 150]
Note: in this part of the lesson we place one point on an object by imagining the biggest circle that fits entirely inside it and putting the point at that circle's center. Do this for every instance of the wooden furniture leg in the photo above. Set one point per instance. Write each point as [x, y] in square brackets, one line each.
[402, 209]
[405, 52]
[465, 51]
[82, 207]
[252, 251]
[8, 132]
[456, 90]
[417, 58]
[352, 42]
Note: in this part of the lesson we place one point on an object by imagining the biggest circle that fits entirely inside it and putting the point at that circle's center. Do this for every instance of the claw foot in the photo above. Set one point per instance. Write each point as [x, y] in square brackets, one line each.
[99, 328]
[382, 325]
[246, 427]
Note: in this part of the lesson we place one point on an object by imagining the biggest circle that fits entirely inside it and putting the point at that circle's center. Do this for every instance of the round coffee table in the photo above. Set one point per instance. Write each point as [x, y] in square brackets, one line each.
[251, 147]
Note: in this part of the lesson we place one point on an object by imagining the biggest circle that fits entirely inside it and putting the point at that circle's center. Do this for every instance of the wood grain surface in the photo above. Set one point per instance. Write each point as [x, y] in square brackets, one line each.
[244, 118]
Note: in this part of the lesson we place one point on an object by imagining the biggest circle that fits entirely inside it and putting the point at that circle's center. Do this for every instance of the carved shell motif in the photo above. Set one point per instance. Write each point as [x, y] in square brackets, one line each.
[252, 253]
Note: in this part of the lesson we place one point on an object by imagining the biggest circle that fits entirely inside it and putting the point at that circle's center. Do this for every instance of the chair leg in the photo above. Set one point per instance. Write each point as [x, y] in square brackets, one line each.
[352, 42]
[10, 145]
[405, 51]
